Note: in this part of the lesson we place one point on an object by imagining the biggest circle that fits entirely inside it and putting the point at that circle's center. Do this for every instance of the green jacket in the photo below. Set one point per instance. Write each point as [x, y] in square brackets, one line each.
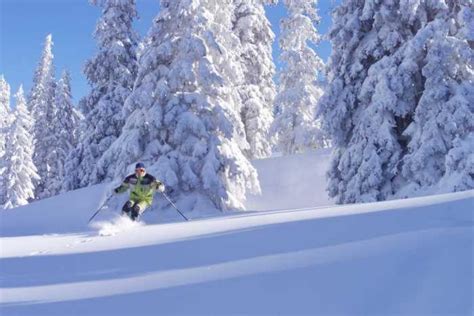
[143, 188]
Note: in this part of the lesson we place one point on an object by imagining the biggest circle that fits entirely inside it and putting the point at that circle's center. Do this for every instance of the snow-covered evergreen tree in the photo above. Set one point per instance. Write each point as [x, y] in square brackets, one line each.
[184, 124]
[257, 89]
[65, 124]
[4, 110]
[4, 125]
[382, 82]
[21, 170]
[295, 125]
[441, 135]
[226, 57]
[42, 78]
[41, 105]
[111, 74]
[74, 115]
[364, 109]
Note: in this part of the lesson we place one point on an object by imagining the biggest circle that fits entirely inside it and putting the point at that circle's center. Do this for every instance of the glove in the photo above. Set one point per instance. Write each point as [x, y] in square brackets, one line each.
[161, 188]
[116, 190]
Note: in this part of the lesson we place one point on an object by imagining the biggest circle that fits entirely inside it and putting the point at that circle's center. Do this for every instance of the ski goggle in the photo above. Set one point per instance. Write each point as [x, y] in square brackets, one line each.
[140, 170]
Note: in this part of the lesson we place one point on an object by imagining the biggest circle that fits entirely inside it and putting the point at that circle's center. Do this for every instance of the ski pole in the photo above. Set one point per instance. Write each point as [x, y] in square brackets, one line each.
[168, 199]
[100, 208]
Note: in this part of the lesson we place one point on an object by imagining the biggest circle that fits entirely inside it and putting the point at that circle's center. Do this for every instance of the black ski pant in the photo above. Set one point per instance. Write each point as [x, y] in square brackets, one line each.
[133, 209]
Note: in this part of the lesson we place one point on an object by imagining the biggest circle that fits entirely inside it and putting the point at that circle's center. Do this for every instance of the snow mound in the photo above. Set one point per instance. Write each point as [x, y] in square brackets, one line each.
[295, 181]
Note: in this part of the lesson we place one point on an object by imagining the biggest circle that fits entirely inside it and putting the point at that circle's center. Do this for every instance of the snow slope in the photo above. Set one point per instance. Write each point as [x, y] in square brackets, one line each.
[411, 256]
[287, 182]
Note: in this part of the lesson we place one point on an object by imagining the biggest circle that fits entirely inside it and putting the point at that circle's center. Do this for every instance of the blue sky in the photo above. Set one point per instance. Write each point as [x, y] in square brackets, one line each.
[24, 25]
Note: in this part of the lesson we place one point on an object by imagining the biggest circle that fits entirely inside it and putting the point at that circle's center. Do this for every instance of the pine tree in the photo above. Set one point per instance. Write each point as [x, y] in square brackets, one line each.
[5, 119]
[72, 116]
[392, 80]
[441, 147]
[226, 57]
[41, 105]
[42, 77]
[21, 170]
[257, 89]
[4, 110]
[369, 98]
[65, 123]
[184, 125]
[295, 125]
[111, 74]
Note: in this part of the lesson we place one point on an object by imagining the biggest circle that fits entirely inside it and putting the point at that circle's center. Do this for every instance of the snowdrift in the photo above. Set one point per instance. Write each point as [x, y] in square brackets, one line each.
[411, 256]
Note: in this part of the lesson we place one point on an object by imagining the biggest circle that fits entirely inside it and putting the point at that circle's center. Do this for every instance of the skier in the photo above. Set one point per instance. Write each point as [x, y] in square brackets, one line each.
[143, 186]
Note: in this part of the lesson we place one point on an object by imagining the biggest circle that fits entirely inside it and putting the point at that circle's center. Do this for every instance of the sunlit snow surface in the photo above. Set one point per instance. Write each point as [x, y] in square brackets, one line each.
[402, 257]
